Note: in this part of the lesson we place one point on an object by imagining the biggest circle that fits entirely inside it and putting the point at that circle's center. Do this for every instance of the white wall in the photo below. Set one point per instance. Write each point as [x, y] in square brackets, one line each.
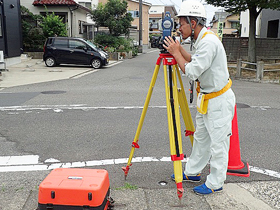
[76, 15]
[28, 4]
[244, 21]
[156, 9]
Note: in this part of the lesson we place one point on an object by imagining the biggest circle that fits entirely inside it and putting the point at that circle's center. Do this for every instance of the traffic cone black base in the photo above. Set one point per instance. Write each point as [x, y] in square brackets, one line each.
[245, 172]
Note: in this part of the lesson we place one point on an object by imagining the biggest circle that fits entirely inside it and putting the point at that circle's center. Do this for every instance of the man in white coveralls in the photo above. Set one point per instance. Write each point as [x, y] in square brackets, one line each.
[215, 100]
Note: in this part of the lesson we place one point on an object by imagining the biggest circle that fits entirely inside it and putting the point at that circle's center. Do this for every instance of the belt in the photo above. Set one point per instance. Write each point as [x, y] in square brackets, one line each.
[215, 94]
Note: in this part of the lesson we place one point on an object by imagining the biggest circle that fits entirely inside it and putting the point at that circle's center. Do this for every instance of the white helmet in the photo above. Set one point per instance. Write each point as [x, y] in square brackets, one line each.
[192, 8]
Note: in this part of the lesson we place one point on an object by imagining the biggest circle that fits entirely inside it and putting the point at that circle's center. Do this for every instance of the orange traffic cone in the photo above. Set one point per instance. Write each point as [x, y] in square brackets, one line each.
[236, 167]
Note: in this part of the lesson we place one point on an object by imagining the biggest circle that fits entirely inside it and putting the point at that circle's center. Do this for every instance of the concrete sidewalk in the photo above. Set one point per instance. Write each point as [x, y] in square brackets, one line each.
[239, 196]
[263, 195]
[31, 71]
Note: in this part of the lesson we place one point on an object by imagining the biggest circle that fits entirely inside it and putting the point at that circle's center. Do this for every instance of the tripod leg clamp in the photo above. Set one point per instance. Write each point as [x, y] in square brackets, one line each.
[189, 133]
[175, 157]
[135, 144]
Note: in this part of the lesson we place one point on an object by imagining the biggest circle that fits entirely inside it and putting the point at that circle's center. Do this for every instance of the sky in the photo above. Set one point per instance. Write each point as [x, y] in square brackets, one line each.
[210, 10]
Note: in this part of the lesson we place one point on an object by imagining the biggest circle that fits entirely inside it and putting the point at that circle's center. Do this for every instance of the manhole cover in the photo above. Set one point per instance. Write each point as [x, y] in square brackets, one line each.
[239, 105]
[53, 92]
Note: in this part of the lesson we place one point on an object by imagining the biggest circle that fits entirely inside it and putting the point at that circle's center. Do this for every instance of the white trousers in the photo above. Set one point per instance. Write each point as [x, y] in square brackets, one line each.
[211, 140]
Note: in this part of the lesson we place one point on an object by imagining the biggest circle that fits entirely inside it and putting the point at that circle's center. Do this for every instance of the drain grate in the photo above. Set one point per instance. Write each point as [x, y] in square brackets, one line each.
[53, 92]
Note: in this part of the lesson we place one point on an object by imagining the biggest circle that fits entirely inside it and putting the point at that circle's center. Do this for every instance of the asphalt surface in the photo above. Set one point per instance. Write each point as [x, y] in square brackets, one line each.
[19, 190]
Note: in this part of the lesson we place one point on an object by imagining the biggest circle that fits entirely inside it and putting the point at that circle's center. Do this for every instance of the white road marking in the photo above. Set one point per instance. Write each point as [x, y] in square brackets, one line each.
[19, 160]
[60, 108]
[90, 71]
[84, 107]
[31, 163]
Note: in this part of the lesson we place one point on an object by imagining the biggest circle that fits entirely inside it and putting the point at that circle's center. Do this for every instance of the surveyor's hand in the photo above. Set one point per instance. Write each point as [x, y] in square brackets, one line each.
[172, 46]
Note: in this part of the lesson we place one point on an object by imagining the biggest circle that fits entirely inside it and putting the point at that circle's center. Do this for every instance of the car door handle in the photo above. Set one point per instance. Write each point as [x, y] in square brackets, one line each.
[71, 51]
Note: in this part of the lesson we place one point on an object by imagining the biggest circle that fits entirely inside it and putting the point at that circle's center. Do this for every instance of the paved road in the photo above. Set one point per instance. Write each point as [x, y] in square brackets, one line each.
[90, 121]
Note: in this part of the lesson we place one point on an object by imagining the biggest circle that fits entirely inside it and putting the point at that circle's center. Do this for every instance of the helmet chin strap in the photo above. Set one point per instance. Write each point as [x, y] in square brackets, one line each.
[192, 29]
[192, 34]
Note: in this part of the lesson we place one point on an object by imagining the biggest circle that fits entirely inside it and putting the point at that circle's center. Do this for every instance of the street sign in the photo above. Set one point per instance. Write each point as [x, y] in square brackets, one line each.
[220, 30]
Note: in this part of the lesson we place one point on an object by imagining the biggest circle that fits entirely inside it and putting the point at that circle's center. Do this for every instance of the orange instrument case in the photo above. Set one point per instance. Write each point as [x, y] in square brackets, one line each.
[75, 189]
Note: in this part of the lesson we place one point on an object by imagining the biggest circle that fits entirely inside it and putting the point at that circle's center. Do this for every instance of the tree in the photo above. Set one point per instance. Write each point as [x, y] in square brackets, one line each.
[53, 25]
[32, 34]
[36, 28]
[255, 7]
[114, 16]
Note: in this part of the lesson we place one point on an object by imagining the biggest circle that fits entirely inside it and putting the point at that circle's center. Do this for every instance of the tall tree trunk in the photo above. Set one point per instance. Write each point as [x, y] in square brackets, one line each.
[252, 35]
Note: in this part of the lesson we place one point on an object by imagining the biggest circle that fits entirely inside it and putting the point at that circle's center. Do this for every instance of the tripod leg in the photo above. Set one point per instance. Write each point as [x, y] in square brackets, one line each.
[185, 108]
[141, 121]
[173, 117]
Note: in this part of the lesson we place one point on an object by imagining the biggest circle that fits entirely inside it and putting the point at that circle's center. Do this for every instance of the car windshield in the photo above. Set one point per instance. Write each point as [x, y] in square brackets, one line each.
[92, 45]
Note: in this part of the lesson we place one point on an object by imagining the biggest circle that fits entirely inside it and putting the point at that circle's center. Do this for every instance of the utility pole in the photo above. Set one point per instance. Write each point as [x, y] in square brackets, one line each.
[140, 48]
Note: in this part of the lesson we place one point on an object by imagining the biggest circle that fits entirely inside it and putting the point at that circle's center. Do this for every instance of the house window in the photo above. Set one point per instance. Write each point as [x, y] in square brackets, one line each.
[234, 25]
[1, 26]
[86, 4]
[134, 14]
[272, 28]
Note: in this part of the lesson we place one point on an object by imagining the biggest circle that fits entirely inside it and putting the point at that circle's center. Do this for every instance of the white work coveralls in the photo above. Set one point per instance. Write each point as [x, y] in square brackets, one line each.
[213, 129]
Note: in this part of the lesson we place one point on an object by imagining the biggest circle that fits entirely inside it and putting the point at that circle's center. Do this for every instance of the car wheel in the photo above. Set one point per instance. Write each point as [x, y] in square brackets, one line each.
[50, 62]
[96, 63]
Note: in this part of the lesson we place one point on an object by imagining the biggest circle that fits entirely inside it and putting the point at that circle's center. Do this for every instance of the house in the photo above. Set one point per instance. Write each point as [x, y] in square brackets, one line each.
[10, 33]
[72, 13]
[156, 14]
[90, 4]
[133, 8]
[230, 23]
[267, 24]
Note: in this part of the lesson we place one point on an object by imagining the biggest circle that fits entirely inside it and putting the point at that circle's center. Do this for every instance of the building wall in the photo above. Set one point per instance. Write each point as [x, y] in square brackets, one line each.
[145, 20]
[269, 15]
[157, 9]
[244, 22]
[238, 48]
[227, 24]
[11, 38]
[28, 4]
[72, 21]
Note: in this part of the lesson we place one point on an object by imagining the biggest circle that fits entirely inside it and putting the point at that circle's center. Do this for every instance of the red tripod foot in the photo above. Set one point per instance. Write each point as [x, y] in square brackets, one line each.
[180, 190]
[126, 169]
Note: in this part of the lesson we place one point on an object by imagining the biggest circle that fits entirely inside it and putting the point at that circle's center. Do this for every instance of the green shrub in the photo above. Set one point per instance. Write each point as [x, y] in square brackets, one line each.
[120, 44]
[135, 51]
[52, 25]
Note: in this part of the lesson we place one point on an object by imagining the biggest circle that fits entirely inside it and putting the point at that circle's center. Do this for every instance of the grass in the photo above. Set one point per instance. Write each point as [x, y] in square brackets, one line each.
[127, 186]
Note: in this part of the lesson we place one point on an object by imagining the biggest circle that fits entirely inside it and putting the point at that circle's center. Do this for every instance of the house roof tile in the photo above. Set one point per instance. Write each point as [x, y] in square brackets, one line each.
[54, 2]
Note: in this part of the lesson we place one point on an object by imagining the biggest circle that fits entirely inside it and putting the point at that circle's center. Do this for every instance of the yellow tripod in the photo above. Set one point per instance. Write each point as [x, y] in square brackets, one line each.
[175, 97]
